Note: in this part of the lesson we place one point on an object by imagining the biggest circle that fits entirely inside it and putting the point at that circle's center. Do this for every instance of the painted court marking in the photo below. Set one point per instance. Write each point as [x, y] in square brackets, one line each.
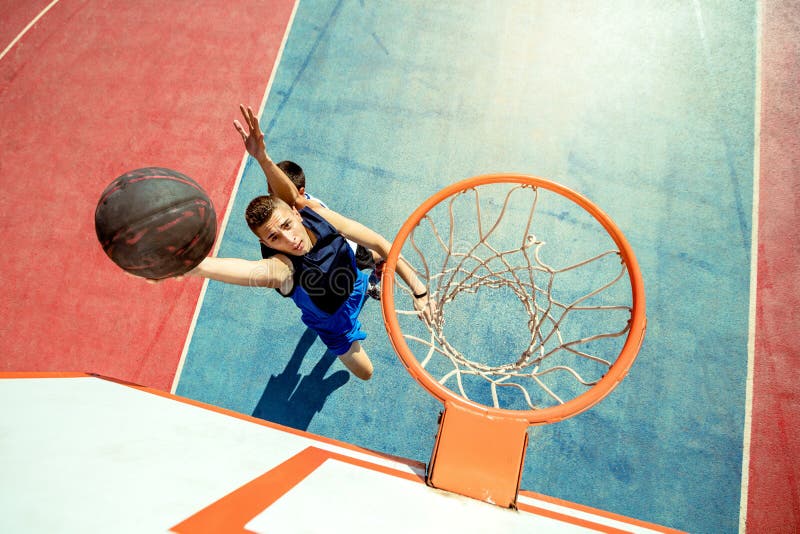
[25, 30]
[751, 327]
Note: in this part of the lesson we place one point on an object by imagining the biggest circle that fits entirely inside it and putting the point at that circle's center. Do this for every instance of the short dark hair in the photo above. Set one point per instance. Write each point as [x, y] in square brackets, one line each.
[261, 209]
[294, 172]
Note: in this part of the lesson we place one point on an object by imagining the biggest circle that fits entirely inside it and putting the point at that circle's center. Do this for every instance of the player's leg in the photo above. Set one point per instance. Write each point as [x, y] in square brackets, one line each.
[357, 361]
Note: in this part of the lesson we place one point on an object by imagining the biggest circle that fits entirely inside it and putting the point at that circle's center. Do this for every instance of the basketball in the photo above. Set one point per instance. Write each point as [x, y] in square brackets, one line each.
[155, 223]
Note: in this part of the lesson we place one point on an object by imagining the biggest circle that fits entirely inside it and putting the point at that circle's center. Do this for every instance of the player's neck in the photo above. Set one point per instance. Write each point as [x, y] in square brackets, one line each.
[312, 236]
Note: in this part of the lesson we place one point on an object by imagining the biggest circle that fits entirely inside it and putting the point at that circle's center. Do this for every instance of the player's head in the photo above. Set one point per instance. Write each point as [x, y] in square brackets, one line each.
[295, 174]
[277, 225]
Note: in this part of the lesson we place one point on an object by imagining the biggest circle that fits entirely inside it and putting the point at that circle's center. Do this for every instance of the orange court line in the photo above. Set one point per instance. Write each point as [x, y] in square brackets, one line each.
[41, 374]
[232, 512]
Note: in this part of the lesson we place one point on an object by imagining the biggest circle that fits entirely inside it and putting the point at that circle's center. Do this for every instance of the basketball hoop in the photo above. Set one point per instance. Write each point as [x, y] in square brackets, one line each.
[480, 245]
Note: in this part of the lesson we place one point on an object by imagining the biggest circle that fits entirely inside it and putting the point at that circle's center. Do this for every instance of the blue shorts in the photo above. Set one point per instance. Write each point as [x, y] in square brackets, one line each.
[342, 328]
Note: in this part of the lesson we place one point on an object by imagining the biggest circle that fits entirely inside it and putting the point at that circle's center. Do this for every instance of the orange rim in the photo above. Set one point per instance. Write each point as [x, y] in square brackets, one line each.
[582, 402]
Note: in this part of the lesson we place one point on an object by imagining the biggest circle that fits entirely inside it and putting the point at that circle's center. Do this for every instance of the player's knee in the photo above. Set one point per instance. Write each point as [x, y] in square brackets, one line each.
[364, 368]
[357, 361]
[363, 373]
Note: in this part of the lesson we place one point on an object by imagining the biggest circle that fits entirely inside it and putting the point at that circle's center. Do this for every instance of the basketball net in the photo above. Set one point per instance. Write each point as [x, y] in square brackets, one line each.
[491, 241]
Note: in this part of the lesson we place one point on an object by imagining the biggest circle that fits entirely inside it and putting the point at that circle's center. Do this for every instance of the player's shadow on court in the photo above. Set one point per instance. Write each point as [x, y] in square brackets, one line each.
[292, 399]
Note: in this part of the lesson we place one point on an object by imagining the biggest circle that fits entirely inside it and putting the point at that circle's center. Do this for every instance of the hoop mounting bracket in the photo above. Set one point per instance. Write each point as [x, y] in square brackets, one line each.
[479, 455]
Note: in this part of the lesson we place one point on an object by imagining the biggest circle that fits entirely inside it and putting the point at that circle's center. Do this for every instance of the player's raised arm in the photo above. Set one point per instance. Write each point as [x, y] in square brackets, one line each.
[277, 182]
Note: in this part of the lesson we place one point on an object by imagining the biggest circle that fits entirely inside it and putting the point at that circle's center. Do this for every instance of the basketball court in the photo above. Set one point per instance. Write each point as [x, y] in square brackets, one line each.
[206, 402]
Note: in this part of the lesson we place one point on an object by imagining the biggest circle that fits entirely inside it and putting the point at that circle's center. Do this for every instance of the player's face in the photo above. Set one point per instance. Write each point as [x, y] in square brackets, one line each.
[284, 232]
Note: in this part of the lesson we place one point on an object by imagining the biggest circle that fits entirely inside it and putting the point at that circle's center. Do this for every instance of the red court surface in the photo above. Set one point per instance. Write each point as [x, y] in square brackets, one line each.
[76, 115]
[773, 502]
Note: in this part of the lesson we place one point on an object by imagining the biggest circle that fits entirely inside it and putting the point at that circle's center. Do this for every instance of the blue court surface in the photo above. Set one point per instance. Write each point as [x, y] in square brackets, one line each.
[643, 107]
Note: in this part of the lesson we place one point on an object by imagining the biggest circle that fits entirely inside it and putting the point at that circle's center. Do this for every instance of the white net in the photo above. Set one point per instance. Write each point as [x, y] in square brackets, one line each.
[532, 297]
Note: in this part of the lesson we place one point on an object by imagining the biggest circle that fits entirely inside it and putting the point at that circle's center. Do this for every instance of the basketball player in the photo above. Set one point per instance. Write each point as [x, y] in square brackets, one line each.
[312, 264]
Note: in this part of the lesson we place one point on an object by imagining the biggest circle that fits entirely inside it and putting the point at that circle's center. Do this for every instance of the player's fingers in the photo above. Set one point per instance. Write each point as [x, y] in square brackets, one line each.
[423, 310]
[253, 118]
[149, 281]
[240, 130]
[428, 312]
[425, 317]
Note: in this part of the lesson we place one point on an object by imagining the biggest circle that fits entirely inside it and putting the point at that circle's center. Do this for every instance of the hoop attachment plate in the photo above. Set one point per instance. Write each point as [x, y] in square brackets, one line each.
[490, 468]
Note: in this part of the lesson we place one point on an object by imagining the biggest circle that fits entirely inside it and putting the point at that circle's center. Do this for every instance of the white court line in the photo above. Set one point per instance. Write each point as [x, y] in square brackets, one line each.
[751, 329]
[698, 12]
[619, 522]
[28, 27]
[227, 215]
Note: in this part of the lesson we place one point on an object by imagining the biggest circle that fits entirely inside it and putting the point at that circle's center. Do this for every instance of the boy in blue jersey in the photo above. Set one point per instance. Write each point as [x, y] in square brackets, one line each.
[312, 263]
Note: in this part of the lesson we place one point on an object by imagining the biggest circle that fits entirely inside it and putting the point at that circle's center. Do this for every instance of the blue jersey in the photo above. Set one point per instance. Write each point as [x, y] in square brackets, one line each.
[328, 288]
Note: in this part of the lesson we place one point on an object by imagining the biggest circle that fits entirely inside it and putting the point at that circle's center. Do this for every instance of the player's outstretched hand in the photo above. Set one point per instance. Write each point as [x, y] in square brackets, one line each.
[253, 138]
